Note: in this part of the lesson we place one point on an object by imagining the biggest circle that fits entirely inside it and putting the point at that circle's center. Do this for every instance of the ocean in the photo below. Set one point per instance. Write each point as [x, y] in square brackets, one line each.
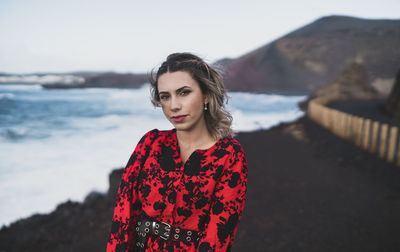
[58, 145]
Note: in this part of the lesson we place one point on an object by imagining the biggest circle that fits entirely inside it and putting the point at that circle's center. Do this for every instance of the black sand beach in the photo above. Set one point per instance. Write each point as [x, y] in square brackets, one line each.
[307, 191]
[311, 191]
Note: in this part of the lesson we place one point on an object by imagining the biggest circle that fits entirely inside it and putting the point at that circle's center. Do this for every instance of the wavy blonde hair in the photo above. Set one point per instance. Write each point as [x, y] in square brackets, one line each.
[217, 118]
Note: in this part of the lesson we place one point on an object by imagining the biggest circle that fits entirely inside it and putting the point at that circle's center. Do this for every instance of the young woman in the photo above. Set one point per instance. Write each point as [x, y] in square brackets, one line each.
[183, 189]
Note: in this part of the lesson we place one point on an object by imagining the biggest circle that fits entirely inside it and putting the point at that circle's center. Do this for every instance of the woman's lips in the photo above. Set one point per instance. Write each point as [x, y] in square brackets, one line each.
[178, 118]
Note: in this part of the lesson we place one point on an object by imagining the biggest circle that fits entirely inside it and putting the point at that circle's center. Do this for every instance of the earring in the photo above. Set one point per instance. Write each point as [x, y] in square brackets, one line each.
[205, 106]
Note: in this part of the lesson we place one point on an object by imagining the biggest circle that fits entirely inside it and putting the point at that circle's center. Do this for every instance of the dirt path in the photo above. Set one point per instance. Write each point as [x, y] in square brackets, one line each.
[310, 191]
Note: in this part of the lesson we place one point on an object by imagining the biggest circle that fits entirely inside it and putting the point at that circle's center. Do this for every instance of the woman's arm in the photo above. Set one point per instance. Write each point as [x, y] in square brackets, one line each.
[227, 207]
[127, 206]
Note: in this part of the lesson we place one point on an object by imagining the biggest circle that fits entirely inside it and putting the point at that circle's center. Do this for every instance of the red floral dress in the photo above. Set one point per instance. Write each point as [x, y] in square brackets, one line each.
[207, 193]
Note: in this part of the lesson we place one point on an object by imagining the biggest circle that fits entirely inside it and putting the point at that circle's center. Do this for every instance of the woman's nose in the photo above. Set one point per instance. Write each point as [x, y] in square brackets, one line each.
[175, 103]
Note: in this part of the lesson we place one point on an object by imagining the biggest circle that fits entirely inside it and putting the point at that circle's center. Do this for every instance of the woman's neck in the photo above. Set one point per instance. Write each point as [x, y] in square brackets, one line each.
[196, 139]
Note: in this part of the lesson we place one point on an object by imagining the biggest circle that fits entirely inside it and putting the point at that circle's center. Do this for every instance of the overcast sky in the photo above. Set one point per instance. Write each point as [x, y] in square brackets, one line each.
[135, 36]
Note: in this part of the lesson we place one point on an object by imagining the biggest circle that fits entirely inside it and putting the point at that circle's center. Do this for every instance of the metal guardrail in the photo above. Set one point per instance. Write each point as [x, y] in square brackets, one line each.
[372, 136]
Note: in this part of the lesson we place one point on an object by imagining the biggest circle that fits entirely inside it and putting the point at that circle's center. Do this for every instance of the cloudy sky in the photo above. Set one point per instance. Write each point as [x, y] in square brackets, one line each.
[135, 36]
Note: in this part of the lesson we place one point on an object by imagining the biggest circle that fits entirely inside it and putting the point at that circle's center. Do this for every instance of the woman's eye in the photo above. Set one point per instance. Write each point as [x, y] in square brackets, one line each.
[163, 97]
[185, 92]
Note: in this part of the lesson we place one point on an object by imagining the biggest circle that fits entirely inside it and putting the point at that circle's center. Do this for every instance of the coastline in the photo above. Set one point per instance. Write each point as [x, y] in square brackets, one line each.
[307, 191]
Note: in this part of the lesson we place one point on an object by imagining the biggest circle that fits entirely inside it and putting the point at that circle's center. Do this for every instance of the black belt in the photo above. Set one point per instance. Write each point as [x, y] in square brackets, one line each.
[146, 226]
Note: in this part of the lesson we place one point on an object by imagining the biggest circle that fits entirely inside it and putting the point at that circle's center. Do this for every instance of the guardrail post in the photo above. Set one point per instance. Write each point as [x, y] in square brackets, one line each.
[392, 144]
[383, 139]
[359, 129]
[347, 127]
[366, 134]
[374, 138]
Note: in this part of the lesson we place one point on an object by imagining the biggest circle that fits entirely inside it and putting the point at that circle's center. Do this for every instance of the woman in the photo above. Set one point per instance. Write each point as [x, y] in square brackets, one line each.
[183, 189]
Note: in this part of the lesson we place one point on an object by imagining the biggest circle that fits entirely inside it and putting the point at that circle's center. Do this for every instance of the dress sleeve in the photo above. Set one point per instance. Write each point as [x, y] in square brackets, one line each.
[127, 206]
[227, 206]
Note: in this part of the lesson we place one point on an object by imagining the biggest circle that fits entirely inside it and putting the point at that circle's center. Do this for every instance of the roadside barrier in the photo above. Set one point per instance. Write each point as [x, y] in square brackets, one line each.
[373, 136]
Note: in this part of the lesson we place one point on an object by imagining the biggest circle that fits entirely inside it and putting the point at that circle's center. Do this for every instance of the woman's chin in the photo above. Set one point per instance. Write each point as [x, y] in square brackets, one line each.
[181, 127]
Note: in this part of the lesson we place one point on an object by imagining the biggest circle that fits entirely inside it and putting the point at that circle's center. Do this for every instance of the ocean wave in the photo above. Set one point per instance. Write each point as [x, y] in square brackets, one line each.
[8, 96]
[21, 133]
[263, 99]
[143, 92]
[13, 134]
[243, 121]
[49, 78]
[262, 103]
[20, 87]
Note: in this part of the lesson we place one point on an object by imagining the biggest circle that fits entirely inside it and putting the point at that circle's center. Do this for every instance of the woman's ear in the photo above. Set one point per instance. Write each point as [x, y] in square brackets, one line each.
[206, 99]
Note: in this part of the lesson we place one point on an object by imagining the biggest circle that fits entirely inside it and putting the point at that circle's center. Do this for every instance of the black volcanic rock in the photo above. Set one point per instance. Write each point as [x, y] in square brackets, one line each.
[349, 86]
[116, 80]
[307, 58]
[114, 180]
[393, 102]
[105, 80]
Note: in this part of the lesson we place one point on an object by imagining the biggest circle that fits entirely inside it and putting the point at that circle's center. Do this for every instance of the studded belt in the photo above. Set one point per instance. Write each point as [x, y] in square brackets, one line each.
[146, 226]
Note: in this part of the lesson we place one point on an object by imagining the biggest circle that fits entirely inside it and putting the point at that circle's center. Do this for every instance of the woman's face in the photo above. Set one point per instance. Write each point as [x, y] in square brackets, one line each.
[182, 100]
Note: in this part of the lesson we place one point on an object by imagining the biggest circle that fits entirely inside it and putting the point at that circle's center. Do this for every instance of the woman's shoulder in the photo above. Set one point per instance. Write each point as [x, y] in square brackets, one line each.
[153, 134]
[158, 132]
[233, 150]
[231, 145]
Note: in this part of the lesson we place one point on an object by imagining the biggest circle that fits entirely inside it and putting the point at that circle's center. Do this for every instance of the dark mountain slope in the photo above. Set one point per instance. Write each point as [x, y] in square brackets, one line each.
[310, 56]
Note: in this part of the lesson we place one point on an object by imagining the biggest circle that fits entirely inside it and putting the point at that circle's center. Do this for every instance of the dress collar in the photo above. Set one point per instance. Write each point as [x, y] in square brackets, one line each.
[176, 144]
